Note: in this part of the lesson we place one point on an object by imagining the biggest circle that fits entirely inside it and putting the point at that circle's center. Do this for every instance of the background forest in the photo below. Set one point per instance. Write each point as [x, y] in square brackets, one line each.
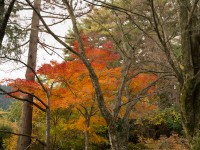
[124, 74]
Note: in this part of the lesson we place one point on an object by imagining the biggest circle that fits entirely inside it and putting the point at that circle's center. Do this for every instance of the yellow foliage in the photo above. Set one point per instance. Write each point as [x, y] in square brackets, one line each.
[94, 138]
[80, 125]
[11, 142]
[97, 120]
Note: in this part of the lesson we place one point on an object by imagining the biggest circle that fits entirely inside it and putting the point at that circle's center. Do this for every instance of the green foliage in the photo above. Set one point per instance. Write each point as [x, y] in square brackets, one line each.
[14, 111]
[15, 34]
[13, 41]
[177, 51]
[196, 142]
[169, 117]
[61, 137]
[173, 120]
[5, 128]
[138, 146]
[4, 135]
[73, 140]
[5, 101]
[160, 122]
[3, 113]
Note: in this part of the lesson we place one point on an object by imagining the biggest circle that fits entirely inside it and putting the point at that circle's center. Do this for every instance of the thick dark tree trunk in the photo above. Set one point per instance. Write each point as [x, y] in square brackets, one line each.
[190, 100]
[190, 89]
[119, 135]
[26, 118]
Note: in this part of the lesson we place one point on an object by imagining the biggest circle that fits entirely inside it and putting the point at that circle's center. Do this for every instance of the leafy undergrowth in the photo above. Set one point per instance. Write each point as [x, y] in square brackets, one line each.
[174, 142]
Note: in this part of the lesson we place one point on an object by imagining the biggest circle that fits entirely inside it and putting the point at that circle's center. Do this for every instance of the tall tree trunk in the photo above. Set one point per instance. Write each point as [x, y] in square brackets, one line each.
[190, 90]
[119, 135]
[87, 134]
[26, 118]
[190, 104]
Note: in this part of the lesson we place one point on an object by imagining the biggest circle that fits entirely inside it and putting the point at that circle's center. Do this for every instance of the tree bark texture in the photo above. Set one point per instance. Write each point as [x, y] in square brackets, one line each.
[24, 142]
[119, 135]
[87, 134]
[190, 89]
[190, 104]
[48, 146]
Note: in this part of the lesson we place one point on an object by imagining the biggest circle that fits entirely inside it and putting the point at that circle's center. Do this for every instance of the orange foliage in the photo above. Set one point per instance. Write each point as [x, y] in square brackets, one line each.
[79, 125]
[141, 81]
[73, 86]
[27, 87]
[72, 82]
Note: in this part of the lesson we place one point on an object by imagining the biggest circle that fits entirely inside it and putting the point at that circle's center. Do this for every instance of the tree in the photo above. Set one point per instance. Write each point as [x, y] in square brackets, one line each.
[26, 118]
[186, 69]
[190, 87]
[38, 91]
[72, 75]
[118, 138]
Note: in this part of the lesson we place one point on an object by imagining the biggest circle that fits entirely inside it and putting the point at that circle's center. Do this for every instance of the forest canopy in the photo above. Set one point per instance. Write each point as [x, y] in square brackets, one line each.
[125, 74]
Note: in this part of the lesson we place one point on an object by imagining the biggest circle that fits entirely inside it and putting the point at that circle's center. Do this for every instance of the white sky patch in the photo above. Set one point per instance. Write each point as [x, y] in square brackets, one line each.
[16, 70]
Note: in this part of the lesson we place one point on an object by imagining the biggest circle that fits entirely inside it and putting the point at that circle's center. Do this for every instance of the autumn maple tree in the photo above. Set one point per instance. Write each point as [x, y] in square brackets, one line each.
[74, 86]
[68, 84]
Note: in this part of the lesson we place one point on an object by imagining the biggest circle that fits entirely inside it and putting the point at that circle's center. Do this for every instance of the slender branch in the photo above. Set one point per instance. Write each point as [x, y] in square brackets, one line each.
[5, 21]
[146, 89]
[21, 99]
[32, 70]
[176, 69]
[114, 7]
[100, 98]
[18, 134]
[84, 115]
[24, 92]
[117, 104]
[155, 22]
[52, 33]
[192, 11]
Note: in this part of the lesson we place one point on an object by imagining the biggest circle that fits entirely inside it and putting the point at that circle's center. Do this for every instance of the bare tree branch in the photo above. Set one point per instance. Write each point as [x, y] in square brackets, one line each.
[18, 134]
[52, 33]
[5, 21]
[21, 99]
